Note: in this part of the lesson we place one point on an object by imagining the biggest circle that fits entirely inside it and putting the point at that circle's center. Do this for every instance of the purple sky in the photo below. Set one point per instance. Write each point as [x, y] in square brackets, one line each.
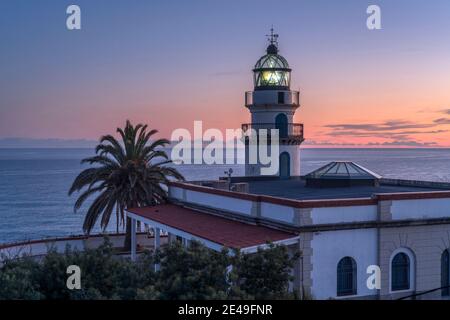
[168, 63]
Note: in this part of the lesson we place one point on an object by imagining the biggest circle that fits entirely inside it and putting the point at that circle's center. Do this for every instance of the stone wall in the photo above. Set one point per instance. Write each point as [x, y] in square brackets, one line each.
[427, 244]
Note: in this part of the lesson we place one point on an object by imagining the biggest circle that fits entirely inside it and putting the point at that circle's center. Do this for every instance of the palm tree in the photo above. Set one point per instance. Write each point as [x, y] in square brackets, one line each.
[130, 173]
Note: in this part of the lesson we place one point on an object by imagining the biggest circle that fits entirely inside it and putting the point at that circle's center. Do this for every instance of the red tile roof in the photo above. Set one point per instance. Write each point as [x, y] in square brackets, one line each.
[226, 232]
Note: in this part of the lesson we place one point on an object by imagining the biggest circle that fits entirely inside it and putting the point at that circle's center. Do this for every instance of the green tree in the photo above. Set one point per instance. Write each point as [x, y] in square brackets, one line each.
[19, 279]
[199, 273]
[193, 273]
[129, 173]
[107, 276]
[104, 275]
[263, 275]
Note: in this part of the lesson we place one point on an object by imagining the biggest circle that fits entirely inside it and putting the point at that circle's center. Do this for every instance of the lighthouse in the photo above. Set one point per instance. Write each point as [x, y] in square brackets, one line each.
[272, 105]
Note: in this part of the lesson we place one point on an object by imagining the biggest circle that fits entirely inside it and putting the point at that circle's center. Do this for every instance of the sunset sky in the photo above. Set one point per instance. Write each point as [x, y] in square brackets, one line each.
[168, 63]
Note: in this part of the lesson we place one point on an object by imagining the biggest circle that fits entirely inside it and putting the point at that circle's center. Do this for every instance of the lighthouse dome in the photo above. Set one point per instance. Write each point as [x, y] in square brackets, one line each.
[271, 71]
[272, 61]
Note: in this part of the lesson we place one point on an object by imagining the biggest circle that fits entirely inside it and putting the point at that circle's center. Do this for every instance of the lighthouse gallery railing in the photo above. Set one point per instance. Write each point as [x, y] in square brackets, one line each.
[291, 130]
[289, 97]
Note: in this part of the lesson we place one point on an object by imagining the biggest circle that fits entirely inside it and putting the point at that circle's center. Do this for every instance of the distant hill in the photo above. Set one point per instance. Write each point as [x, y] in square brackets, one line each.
[46, 143]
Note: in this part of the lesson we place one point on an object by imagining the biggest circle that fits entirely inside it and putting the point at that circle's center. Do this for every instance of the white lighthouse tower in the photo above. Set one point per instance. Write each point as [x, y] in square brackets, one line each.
[272, 105]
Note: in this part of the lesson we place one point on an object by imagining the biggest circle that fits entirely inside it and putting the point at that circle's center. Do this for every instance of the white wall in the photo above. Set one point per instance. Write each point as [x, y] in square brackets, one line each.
[220, 202]
[277, 212]
[344, 214]
[40, 248]
[331, 246]
[269, 115]
[176, 193]
[294, 154]
[420, 208]
[270, 96]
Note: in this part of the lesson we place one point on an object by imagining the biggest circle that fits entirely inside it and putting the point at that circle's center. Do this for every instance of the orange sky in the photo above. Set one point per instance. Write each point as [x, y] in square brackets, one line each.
[389, 87]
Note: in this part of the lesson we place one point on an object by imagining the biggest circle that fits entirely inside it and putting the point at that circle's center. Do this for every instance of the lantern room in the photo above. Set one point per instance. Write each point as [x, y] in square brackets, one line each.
[272, 71]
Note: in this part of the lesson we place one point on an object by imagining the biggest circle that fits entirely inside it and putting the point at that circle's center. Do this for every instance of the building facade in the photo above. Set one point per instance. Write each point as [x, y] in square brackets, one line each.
[405, 233]
[360, 236]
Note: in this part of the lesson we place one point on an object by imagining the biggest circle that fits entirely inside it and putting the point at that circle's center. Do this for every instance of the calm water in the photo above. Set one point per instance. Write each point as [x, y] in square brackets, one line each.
[34, 182]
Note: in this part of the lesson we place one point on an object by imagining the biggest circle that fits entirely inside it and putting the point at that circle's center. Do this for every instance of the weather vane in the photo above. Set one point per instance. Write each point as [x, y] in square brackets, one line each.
[272, 37]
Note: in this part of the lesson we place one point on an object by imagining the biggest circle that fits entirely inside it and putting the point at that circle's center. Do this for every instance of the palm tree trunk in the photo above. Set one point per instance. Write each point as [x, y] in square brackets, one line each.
[127, 242]
[117, 219]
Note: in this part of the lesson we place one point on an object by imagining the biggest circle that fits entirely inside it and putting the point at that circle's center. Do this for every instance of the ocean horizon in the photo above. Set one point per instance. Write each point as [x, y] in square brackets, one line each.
[34, 181]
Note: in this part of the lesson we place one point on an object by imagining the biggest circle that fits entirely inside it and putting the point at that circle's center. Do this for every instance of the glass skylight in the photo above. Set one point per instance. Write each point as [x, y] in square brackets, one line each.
[345, 170]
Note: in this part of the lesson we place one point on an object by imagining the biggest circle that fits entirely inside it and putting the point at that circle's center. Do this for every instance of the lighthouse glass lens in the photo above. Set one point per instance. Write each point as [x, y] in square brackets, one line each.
[273, 78]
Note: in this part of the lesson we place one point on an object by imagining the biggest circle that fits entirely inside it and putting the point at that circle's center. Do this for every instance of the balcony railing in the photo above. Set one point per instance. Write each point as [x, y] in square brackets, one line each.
[278, 97]
[249, 98]
[288, 131]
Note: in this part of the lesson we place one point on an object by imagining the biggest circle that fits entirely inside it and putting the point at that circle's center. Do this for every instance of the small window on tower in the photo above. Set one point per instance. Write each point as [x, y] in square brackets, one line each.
[281, 97]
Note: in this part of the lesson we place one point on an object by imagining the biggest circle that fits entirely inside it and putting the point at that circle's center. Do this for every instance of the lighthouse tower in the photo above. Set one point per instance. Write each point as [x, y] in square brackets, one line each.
[272, 105]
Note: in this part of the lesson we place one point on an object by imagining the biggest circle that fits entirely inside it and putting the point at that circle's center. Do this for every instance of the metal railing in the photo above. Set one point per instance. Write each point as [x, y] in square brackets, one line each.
[290, 97]
[290, 130]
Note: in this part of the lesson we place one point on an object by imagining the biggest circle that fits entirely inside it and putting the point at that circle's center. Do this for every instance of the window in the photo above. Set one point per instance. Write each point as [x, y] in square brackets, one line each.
[346, 277]
[445, 273]
[285, 165]
[281, 123]
[281, 97]
[400, 269]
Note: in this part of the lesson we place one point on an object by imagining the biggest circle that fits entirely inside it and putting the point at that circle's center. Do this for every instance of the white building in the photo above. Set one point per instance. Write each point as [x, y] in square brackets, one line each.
[345, 219]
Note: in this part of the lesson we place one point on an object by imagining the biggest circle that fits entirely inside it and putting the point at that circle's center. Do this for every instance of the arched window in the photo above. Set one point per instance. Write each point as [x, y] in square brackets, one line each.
[346, 277]
[281, 123]
[400, 272]
[445, 273]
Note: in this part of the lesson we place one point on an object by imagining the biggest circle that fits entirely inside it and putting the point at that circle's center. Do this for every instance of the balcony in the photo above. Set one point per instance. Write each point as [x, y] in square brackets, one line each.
[291, 132]
[272, 97]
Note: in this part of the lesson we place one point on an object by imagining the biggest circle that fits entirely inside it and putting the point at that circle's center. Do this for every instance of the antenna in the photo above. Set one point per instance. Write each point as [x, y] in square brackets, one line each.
[229, 173]
[272, 37]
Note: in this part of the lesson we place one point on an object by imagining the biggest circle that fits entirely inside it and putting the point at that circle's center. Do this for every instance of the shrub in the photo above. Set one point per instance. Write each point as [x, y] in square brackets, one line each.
[192, 273]
[263, 275]
[185, 273]
[19, 279]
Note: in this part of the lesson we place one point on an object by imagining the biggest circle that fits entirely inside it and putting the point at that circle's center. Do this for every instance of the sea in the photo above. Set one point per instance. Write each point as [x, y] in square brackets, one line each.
[34, 183]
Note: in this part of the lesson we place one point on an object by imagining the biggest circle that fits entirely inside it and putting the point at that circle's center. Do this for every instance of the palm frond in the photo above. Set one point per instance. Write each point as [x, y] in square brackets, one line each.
[131, 171]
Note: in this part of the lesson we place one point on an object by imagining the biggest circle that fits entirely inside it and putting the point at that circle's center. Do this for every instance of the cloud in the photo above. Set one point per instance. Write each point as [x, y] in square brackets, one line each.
[385, 126]
[395, 143]
[444, 110]
[395, 132]
[442, 121]
[387, 134]
[310, 142]
[403, 143]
